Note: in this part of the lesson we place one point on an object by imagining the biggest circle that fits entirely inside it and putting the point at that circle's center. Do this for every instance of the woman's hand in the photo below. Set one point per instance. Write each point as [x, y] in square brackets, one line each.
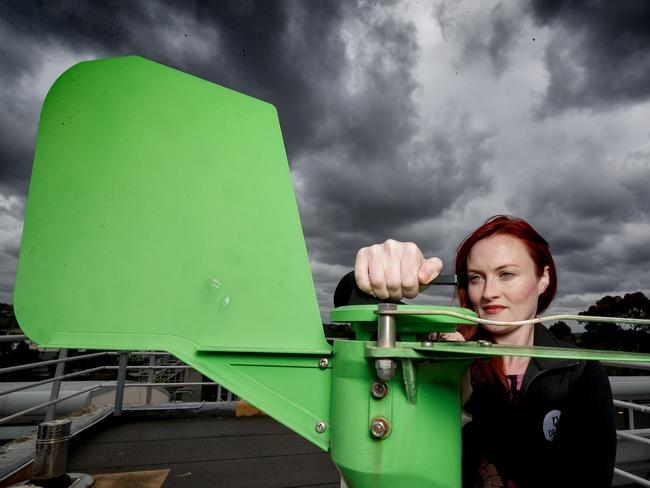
[394, 270]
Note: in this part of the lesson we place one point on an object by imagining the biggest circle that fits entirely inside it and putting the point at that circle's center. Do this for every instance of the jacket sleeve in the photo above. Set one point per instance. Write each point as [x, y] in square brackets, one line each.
[347, 293]
[586, 435]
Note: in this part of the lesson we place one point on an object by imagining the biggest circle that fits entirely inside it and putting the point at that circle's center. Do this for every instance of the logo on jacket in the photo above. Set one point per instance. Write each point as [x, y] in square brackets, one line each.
[550, 424]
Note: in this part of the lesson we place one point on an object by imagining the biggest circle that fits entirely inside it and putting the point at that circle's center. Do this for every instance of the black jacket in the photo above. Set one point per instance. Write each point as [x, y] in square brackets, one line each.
[560, 432]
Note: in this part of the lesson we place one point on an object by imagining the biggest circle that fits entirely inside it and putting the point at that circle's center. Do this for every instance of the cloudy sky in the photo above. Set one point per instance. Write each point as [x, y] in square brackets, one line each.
[414, 120]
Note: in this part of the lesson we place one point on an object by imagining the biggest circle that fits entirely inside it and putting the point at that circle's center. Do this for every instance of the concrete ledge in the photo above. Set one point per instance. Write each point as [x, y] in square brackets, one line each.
[17, 456]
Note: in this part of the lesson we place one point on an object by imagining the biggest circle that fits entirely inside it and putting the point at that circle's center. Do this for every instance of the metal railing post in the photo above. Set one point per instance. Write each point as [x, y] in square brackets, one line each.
[56, 385]
[150, 378]
[121, 380]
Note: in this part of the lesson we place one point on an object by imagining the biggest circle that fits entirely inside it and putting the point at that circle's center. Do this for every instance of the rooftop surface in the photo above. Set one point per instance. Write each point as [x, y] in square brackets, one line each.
[200, 452]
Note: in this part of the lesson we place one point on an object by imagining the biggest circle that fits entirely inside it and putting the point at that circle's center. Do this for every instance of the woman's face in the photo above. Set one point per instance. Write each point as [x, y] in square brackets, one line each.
[502, 281]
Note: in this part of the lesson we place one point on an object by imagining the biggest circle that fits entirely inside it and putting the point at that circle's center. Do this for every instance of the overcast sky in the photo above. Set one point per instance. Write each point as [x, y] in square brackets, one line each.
[411, 120]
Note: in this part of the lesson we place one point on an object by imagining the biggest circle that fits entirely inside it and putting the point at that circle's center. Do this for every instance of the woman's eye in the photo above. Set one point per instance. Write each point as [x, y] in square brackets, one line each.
[506, 275]
[475, 278]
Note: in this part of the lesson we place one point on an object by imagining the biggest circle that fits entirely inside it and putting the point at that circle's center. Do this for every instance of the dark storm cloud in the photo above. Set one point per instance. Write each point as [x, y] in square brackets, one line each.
[270, 50]
[599, 55]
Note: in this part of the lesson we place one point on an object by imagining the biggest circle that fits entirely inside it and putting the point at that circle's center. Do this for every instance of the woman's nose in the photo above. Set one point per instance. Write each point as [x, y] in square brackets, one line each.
[491, 289]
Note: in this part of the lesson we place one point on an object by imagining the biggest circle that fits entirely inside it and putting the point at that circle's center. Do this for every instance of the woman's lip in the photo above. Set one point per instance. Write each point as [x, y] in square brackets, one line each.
[493, 308]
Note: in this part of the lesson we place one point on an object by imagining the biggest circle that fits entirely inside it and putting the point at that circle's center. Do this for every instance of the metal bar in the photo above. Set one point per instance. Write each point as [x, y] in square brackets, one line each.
[56, 385]
[45, 404]
[150, 378]
[630, 418]
[623, 364]
[633, 437]
[151, 367]
[22, 367]
[121, 379]
[633, 406]
[12, 338]
[50, 380]
[631, 477]
[188, 383]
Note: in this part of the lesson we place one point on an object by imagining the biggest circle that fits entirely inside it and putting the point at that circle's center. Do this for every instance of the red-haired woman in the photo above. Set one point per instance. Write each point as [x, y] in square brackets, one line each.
[535, 422]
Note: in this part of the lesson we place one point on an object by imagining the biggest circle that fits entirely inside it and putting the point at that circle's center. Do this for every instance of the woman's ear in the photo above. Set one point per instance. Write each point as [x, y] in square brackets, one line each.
[544, 280]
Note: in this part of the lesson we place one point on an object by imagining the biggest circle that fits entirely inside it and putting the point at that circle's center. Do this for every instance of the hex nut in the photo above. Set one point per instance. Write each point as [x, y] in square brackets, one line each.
[379, 428]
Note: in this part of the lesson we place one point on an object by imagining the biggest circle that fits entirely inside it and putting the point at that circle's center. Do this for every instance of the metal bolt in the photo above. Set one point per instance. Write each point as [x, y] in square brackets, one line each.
[379, 389]
[484, 343]
[321, 426]
[379, 427]
[323, 363]
[426, 343]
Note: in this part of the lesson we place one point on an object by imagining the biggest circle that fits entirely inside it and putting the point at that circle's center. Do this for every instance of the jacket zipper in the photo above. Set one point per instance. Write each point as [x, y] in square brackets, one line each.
[541, 373]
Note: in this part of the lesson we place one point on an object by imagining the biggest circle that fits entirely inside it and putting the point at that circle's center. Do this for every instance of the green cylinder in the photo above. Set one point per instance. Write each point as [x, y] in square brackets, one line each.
[423, 445]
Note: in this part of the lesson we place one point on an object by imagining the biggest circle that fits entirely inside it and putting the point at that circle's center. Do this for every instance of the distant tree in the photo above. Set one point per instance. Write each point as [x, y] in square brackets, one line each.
[562, 332]
[616, 336]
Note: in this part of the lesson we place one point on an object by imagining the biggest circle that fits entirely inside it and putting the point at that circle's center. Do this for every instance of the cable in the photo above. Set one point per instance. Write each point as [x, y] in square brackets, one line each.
[579, 318]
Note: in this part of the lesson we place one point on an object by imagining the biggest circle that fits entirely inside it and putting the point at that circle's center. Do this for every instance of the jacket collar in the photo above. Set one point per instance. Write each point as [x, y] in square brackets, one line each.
[543, 337]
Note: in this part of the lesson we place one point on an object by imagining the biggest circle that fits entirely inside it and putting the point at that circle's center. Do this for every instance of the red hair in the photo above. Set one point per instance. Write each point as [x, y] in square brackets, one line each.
[539, 251]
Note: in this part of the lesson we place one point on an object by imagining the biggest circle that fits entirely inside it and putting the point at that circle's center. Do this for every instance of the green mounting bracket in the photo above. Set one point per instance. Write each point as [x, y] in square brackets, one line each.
[161, 216]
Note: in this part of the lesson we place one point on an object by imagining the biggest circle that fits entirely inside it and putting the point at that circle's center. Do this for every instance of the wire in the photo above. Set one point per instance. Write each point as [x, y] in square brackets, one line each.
[537, 320]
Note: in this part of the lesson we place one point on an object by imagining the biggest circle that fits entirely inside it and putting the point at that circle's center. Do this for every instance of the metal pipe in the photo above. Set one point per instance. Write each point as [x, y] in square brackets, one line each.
[50, 380]
[4, 420]
[56, 385]
[12, 338]
[386, 337]
[632, 437]
[121, 379]
[22, 367]
[633, 406]
[150, 378]
[51, 451]
[624, 364]
[631, 477]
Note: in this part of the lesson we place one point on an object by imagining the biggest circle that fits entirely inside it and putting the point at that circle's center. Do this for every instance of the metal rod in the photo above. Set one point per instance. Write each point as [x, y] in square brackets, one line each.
[623, 364]
[150, 378]
[50, 380]
[22, 367]
[631, 477]
[4, 420]
[386, 326]
[633, 437]
[188, 383]
[633, 406]
[56, 385]
[121, 379]
[151, 367]
[12, 338]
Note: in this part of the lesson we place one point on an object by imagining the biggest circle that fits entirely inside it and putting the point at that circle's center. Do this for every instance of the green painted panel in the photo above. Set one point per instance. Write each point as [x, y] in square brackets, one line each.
[160, 211]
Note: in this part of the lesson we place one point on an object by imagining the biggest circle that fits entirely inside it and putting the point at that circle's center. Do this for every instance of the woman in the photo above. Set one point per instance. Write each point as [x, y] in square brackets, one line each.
[535, 422]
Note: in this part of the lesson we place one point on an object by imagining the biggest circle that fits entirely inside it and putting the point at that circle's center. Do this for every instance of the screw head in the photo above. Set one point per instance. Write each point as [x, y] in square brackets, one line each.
[427, 343]
[379, 389]
[379, 427]
[323, 363]
[321, 426]
[484, 343]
